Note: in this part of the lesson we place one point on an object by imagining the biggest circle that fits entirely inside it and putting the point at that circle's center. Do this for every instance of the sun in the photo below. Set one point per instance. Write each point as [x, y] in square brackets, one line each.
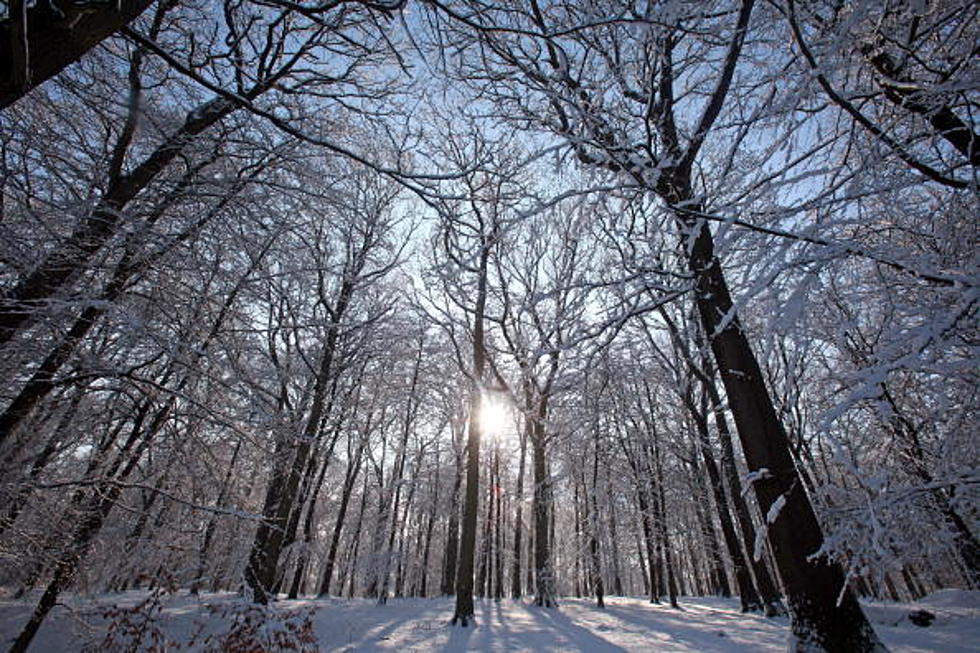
[495, 416]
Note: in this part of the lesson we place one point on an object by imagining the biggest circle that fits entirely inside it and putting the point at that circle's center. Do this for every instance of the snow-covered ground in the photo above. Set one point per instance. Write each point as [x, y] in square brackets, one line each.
[407, 625]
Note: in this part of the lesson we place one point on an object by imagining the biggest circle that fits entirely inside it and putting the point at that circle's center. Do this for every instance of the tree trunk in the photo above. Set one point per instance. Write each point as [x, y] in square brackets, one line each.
[644, 573]
[22, 493]
[748, 597]
[353, 469]
[768, 590]
[653, 579]
[813, 587]
[72, 257]
[718, 579]
[464, 576]
[613, 539]
[429, 528]
[592, 518]
[662, 530]
[577, 541]
[544, 577]
[351, 567]
[464, 610]
[299, 507]
[202, 555]
[261, 572]
[515, 572]
[448, 585]
[482, 576]
[56, 35]
[97, 508]
[498, 545]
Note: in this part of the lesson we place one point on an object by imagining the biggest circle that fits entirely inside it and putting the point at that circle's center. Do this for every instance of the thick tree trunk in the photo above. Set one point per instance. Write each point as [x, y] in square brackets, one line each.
[813, 587]
[464, 576]
[56, 34]
[302, 561]
[292, 529]
[464, 610]
[260, 572]
[544, 577]
[768, 590]
[291, 461]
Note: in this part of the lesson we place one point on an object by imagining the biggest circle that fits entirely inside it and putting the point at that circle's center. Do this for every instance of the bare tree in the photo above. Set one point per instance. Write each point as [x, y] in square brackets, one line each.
[644, 138]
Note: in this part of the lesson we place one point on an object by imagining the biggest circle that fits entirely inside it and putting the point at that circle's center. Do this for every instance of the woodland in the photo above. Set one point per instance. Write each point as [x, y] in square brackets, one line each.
[517, 299]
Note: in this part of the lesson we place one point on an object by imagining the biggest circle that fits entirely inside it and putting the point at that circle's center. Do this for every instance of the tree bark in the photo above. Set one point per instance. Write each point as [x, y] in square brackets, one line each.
[663, 532]
[593, 522]
[812, 586]
[717, 578]
[748, 597]
[448, 585]
[544, 577]
[38, 40]
[202, 556]
[261, 572]
[464, 610]
[498, 543]
[613, 538]
[464, 575]
[768, 590]
[429, 528]
[515, 572]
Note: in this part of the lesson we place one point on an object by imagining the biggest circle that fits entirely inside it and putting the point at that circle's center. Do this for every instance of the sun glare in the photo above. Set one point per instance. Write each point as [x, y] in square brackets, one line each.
[495, 418]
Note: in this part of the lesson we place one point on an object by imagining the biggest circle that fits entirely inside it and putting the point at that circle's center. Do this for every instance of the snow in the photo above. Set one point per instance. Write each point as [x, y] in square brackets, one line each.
[771, 517]
[407, 625]
[775, 509]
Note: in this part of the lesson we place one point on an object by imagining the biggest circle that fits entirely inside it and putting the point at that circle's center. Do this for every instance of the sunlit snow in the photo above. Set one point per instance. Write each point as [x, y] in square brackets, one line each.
[409, 625]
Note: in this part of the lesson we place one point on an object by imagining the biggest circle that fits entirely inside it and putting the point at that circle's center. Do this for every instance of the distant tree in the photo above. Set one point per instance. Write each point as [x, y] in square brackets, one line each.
[467, 234]
[621, 99]
[365, 225]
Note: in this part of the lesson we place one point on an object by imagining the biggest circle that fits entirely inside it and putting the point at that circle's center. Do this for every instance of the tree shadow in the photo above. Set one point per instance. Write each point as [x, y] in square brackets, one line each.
[554, 623]
[731, 629]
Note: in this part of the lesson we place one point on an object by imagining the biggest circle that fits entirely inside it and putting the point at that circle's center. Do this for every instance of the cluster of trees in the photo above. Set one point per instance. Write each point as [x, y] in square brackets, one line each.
[493, 299]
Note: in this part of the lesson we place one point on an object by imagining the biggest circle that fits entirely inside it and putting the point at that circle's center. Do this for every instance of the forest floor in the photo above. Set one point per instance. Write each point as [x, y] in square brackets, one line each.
[183, 622]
